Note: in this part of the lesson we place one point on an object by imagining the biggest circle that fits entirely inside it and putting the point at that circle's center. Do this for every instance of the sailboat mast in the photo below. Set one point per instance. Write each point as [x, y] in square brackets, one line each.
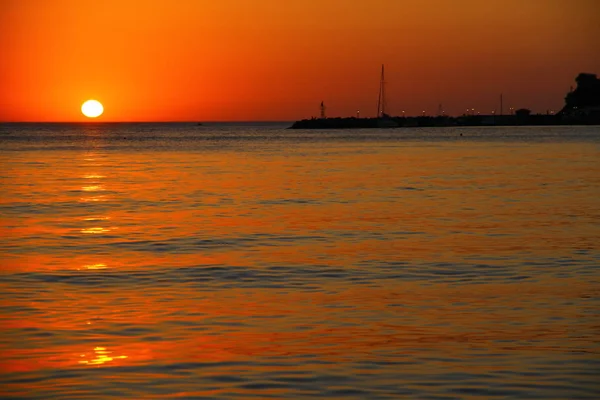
[381, 99]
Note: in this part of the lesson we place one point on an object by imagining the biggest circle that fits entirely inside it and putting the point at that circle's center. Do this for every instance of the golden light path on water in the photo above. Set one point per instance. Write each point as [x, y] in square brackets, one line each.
[99, 356]
[255, 262]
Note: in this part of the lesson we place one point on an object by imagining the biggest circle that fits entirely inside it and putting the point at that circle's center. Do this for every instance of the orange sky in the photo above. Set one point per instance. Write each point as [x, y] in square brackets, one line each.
[195, 60]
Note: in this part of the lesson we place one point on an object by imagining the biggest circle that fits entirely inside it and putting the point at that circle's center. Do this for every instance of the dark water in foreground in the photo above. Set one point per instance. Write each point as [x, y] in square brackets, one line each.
[156, 261]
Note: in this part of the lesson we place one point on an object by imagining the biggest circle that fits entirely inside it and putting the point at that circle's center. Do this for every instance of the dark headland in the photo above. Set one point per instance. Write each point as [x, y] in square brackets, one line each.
[582, 107]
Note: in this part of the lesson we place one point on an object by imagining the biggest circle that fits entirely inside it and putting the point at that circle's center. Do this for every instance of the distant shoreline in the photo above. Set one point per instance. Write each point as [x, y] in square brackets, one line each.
[443, 121]
[582, 107]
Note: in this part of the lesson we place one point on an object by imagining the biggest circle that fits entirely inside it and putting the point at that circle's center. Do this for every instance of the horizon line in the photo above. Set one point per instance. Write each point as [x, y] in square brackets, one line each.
[143, 122]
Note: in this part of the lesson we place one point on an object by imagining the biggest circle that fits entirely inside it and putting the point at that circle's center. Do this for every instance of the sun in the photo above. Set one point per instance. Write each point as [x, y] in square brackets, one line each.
[92, 108]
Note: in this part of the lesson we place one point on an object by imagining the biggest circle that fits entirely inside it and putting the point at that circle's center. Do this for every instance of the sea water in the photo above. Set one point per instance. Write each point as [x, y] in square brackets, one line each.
[250, 261]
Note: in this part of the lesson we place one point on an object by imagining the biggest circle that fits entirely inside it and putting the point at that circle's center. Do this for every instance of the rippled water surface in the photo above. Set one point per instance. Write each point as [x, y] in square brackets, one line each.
[236, 261]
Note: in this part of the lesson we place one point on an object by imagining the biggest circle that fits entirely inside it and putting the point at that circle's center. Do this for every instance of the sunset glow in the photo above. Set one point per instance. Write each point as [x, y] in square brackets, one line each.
[273, 60]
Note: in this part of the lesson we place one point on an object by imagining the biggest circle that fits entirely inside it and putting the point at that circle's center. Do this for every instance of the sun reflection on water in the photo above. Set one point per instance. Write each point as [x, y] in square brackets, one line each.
[92, 199]
[93, 176]
[95, 230]
[100, 356]
[96, 218]
[93, 188]
[95, 266]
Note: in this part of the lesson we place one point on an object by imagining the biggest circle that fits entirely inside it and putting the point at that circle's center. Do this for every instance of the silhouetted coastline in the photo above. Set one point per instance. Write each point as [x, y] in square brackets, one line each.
[582, 107]
[442, 121]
